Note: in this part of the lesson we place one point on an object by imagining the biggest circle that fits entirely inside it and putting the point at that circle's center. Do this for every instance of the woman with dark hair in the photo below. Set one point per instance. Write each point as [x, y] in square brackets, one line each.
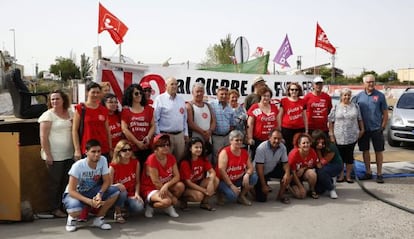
[57, 147]
[198, 176]
[292, 114]
[160, 181]
[330, 163]
[302, 161]
[137, 122]
[114, 117]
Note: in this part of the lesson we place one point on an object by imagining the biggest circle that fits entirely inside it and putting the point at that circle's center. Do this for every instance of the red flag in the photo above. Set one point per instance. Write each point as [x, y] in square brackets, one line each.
[108, 22]
[322, 40]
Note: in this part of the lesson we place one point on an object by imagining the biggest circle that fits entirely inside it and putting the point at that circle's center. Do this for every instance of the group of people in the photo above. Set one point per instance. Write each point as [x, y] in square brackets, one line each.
[165, 153]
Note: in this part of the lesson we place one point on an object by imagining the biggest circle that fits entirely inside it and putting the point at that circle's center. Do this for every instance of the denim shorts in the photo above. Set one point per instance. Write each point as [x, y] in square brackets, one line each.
[75, 205]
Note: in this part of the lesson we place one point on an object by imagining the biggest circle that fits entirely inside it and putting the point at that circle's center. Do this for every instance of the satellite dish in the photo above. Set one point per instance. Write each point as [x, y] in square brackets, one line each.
[241, 50]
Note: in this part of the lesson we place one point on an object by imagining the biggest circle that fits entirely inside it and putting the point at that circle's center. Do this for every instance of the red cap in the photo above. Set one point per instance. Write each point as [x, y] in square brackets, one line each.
[145, 85]
[158, 137]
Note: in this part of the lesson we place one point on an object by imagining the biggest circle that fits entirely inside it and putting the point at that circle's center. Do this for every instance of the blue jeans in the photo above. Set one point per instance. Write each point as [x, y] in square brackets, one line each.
[74, 205]
[229, 194]
[325, 175]
[133, 205]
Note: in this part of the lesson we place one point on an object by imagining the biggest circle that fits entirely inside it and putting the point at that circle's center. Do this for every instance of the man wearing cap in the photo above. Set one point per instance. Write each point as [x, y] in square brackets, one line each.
[254, 97]
[147, 89]
[171, 117]
[318, 106]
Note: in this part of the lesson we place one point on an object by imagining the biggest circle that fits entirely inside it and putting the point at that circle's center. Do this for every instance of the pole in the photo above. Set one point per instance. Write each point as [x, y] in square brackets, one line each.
[14, 47]
[333, 69]
[120, 53]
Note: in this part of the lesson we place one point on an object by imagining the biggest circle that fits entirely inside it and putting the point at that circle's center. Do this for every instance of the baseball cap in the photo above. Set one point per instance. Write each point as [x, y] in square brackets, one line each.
[318, 79]
[258, 79]
[145, 85]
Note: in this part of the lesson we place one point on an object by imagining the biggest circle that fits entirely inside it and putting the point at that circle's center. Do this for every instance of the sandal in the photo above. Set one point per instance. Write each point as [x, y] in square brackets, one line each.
[340, 180]
[314, 195]
[207, 207]
[184, 206]
[350, 181]
[119, 218]
[284, 200]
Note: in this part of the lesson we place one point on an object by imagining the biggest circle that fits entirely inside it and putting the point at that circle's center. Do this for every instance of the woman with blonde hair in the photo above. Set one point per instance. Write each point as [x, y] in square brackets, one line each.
[125, 174]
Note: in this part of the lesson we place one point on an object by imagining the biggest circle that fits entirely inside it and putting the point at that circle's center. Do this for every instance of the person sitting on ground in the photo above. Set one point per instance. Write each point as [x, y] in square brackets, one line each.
[125, 174]
[271, 162]
[89, 185]
[198, 175]
[330, 163]
[235, 171]
[302, 162]
[160, 181]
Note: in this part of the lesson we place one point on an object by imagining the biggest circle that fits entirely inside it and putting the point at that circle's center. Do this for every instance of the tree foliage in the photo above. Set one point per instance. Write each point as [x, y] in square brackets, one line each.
[65, 68]
[85, 67]
[220, 53]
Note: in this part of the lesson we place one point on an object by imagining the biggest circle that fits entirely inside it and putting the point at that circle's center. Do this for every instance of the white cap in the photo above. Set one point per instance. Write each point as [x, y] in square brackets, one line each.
[258, 79]
[318, 79]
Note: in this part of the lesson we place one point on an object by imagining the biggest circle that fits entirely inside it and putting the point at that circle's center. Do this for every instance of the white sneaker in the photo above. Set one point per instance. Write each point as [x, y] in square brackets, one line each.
[71, 224]
[149, 211]
[100, 222]
[333, 194]
[171, 211]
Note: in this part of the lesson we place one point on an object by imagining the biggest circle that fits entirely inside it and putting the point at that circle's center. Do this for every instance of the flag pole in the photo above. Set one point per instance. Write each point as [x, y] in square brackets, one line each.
[120, 53]
[314, 64]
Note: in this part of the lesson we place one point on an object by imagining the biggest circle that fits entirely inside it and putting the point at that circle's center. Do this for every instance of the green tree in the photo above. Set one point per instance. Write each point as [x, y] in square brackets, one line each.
[220, 53]
[65, 68]
[85, 67]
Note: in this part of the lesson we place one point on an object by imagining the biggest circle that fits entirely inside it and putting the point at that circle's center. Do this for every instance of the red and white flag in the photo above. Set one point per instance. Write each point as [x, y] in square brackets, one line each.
[322, 40]
[108, 22]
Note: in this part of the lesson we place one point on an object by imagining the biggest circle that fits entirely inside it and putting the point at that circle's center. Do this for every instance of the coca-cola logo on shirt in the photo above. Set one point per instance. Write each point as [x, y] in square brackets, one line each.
[293, 110]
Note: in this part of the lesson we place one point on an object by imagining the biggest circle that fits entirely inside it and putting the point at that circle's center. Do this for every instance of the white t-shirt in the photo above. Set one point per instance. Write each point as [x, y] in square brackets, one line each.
[60, 136]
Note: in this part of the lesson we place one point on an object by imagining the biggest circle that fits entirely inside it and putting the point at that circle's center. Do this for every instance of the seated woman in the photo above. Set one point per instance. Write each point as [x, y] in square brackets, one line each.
[302, 161]
[160, 181]
[330, 163]
[235, 171]
[198, 176]
[125, 172]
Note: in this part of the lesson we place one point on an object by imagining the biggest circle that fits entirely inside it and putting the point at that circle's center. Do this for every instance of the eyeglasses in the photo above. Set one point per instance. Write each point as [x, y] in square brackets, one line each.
[126, 150]
[294, 89]
[137, 93]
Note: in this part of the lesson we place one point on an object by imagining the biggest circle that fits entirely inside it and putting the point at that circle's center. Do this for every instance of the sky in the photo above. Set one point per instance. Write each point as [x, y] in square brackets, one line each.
[368, 34]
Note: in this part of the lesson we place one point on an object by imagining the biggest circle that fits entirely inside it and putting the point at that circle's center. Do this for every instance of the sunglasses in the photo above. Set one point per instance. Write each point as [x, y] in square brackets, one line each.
[294, 89]
[137, 93]
[126, 150]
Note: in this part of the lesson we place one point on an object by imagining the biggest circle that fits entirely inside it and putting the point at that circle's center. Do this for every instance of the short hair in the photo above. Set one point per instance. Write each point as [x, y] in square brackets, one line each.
[343, 92]
[92, 85]
[62, 94]
[235, 134]
[222, 88]
[367, 76]
[198, 85]
[92, 143]
[300, 93]
[275, 130]
[234, 92]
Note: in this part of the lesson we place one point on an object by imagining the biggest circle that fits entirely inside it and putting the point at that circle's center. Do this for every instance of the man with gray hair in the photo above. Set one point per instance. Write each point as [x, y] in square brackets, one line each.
[374, 111]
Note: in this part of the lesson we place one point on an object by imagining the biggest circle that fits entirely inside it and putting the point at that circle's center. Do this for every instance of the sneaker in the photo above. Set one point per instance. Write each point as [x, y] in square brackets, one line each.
[100, 222]
[380, 179]
[171, 211]
[71, 224]
[366, 176]
[149, 211]
[333, 194]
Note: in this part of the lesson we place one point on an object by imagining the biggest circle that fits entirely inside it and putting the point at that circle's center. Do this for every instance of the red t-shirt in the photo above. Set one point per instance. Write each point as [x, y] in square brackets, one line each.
[127, 175]
[138, 123]
[292, 117]
[296, 161]
[317, 110]
[94, 126]
[165, 173]
[236, 165]
[263, 123]
[114, 121]
[196, 172]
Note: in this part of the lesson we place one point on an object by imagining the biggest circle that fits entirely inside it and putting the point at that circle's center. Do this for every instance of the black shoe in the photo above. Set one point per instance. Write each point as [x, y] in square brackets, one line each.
[366, 176]
[380, 179]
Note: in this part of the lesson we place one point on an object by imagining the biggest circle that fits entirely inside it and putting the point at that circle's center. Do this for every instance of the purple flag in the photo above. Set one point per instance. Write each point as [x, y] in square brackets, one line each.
[283, 54]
